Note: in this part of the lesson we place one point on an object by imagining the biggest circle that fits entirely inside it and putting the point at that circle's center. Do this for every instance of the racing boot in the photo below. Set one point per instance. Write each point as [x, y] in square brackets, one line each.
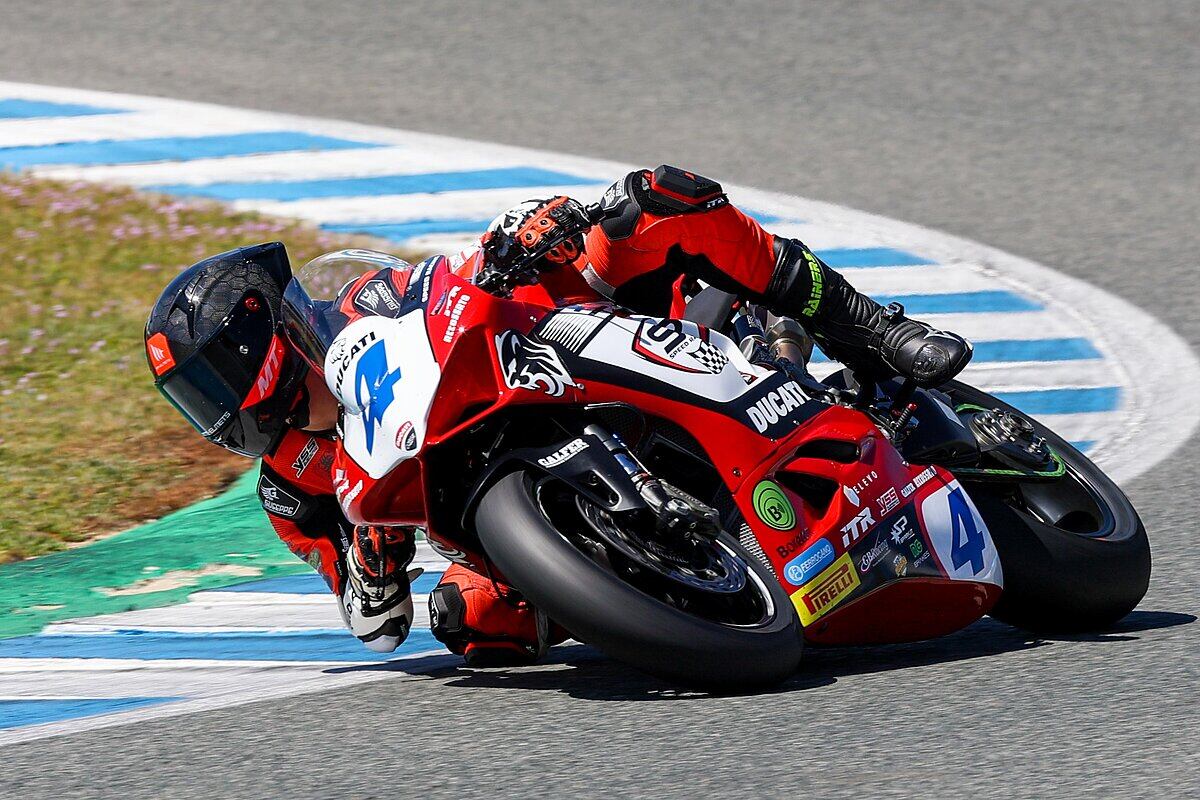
[486, 623]
[376, 604]
[855, 330]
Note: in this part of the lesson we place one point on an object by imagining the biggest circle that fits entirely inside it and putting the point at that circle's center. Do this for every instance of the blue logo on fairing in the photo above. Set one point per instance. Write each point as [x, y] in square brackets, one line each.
[966, 540]
[808, 563]
[373, 380]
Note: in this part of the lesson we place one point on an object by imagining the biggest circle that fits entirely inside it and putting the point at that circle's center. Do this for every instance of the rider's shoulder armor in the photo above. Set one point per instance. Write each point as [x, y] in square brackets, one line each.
[665, 192]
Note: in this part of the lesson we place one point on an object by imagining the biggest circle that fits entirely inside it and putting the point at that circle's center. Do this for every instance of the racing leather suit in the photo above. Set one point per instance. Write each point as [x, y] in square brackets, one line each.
[655, 227]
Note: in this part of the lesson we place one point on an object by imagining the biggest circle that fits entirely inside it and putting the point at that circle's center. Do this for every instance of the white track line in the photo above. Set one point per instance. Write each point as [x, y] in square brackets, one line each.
[136, 125]
[1157, 372]
[404, 207]
[363, 163]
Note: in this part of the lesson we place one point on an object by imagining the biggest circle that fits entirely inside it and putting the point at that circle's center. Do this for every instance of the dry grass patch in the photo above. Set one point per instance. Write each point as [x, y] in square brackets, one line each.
[87, 446]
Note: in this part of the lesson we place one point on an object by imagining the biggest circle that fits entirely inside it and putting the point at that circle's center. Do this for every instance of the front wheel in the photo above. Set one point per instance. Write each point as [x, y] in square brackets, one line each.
[699, 613]
[1074, 551]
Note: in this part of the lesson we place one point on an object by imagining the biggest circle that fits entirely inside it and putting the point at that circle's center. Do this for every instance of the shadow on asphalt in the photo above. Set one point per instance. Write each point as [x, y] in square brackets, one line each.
[582, 672]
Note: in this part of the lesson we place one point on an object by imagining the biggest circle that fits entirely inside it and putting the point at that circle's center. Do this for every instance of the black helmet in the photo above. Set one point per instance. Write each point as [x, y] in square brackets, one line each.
[215, 344]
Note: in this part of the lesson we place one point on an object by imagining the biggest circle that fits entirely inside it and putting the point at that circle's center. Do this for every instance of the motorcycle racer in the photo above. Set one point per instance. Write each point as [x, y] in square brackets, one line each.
[219, 352]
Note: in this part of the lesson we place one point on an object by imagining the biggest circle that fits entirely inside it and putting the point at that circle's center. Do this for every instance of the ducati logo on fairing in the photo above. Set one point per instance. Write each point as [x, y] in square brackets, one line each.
[862, 522]
[776, 405]
[342, 352]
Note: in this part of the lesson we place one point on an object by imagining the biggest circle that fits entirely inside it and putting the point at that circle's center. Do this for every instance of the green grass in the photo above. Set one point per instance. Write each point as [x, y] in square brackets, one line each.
[87, 446]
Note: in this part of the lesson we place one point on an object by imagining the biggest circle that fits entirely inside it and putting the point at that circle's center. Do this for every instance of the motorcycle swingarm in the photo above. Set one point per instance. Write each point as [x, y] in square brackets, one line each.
[583, 463]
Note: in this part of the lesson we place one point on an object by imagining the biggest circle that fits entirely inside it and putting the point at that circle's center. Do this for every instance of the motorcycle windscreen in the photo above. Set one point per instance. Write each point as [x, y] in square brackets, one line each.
[311, 311]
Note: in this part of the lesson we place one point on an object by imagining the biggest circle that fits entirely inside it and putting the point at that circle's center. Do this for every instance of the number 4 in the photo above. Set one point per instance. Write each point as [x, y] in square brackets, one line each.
[966, 540]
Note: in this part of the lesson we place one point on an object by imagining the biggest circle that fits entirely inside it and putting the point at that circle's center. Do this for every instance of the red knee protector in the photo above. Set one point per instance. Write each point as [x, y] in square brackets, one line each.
[488, 626]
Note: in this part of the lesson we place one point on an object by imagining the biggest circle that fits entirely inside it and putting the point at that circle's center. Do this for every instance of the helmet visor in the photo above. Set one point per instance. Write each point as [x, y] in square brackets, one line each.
[212, 387]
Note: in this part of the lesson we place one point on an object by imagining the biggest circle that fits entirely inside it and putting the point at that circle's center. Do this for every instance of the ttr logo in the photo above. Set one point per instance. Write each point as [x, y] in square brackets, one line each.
[856, 527]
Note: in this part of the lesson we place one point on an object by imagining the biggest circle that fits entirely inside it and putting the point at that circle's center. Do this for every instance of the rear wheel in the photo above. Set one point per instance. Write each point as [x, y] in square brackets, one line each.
[1074, 552]
[698, 612]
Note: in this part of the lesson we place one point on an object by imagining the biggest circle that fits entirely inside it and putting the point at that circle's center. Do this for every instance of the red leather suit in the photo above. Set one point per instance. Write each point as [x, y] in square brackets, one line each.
[652, 239]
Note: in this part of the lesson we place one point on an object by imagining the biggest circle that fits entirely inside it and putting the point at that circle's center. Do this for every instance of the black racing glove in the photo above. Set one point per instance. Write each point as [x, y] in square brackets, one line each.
[530, 238]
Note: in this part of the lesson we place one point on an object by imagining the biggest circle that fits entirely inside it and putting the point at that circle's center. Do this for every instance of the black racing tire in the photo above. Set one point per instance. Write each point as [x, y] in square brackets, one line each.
[599, 608]
[1056, 579]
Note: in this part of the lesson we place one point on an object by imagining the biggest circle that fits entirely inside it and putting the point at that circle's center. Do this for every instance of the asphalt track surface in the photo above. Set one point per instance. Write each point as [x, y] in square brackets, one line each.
[1068, 133]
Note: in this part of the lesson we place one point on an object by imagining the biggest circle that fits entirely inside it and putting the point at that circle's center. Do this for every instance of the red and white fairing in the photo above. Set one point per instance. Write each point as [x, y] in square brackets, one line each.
[410, 384]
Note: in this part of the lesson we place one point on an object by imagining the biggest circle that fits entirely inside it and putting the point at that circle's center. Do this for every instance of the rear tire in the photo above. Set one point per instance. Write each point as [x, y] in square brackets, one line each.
[601, 609]
[1056, 579]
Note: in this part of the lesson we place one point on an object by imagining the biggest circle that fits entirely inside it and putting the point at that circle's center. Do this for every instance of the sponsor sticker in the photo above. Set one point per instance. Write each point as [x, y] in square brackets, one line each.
[773, 507]
[264, 385]
[866, 481]
[216, 426]
[823, 593]
[342, 489]
[787, 549]
[452, 327]
[873, 556]
[276, 499]
[159, 351]
[902, 530]
[666, 342]
[564, 453]
[613, 196]
[305, 457]
[314, 559]
[888, 501]
[900, 566]
[855, 528]
[800, 569]
[406, 437]
[919, 481]
[376, 297]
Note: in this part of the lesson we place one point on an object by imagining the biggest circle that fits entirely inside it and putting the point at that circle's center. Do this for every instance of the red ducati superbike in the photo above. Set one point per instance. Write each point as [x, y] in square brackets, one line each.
[694, 512]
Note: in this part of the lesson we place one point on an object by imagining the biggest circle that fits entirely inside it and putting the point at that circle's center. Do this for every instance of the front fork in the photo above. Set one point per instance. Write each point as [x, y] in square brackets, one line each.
[676, 512]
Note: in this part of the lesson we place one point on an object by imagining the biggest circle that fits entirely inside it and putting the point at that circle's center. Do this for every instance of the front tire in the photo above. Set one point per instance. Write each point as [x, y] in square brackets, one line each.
[1065, 568]
[602, 609]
